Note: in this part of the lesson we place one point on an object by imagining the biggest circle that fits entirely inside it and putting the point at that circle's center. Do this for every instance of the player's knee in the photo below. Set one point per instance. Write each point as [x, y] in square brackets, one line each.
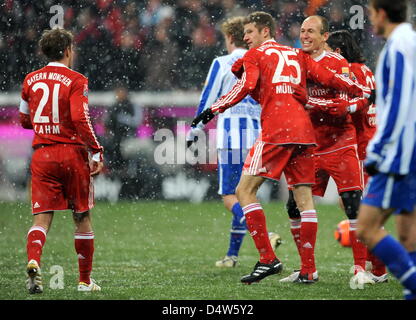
[81, 217]
[351, 201]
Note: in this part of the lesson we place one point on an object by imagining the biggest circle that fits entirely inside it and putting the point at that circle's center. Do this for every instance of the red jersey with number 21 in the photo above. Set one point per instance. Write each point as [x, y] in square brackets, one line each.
[271, 72]
[56, 98]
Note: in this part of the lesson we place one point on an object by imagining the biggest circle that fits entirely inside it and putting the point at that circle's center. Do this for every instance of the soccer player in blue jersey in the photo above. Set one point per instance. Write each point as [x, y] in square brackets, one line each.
[391, 154]
[237, 130]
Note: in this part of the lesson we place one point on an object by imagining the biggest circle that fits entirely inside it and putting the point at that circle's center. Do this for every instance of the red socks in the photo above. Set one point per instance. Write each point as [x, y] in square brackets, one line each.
[308, 231]
[295, 225]
[84, 247]
[378, 267]
[36, 238]
[359, 250]
[256, 224]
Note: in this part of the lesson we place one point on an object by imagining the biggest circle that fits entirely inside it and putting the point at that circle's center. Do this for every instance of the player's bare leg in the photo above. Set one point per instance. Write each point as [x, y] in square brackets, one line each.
[406, 230]
[84, 247]
[256, 223]
[36, 239]
[369, 225]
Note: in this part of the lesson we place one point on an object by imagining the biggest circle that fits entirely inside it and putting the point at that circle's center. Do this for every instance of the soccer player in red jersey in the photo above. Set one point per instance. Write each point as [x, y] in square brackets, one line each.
[54, 104]
[363, 116]
[336, 154]
[274, 75]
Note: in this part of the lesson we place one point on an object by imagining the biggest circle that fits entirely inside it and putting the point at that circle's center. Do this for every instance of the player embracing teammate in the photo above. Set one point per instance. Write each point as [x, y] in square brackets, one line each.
[276, 76]
[336, 155]
[66, 154]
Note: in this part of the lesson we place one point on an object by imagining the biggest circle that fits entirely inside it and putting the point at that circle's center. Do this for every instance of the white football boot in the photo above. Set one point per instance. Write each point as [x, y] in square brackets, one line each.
[34, 279]
[93, 286]
[227, 262]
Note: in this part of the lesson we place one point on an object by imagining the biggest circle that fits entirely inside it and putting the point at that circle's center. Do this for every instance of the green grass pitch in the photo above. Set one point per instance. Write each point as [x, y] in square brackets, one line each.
[167, 250]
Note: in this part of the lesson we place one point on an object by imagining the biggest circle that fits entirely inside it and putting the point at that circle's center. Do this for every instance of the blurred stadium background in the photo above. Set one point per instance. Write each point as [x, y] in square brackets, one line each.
[159, 51]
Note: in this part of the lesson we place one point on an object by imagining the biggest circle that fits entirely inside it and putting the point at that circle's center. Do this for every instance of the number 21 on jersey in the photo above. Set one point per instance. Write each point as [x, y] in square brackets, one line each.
[39, 118]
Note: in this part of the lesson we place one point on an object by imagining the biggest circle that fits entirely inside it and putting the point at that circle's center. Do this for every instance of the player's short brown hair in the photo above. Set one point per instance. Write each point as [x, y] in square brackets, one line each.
[396, 10]
[262, 20]
[53, 43]
[234, 27]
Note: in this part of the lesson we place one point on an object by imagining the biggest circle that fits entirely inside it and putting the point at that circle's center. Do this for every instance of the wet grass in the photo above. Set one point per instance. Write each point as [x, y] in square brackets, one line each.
[167, 250]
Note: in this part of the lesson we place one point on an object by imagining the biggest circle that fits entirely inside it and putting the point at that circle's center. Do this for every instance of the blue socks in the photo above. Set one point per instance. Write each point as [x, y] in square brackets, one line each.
[400, 263]
[238, 230]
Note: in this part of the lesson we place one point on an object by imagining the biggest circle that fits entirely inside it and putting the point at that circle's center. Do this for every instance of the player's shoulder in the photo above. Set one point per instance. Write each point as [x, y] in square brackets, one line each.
[335, 58]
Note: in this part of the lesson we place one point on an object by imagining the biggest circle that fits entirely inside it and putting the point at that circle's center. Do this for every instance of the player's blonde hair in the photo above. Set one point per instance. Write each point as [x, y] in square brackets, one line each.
[234, 27]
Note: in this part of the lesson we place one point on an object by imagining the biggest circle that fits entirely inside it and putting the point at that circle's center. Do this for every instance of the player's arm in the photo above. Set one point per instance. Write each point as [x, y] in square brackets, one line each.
[209, 95]
[24, 112]
[81, 120]
[395, 108]
[327, 78]
[242, 88]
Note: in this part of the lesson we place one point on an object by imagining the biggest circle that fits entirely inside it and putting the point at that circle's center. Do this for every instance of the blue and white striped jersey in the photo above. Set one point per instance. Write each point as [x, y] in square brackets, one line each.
[393, 146]
[239, 126]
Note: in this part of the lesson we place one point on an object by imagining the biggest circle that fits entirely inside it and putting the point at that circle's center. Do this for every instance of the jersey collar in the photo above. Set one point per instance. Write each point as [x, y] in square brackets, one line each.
[319, 58]
[270, 40]
[56, 64]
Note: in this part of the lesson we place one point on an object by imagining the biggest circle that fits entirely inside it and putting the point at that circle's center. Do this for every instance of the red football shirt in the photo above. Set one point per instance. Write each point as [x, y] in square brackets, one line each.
[56, 100]
[271, 72]
[332, 132]
[364, 119]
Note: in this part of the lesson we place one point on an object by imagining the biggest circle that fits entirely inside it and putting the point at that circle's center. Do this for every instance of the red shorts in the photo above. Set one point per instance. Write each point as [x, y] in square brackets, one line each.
[61, 179]
[364, 174]
[343, 166]
[271, 160]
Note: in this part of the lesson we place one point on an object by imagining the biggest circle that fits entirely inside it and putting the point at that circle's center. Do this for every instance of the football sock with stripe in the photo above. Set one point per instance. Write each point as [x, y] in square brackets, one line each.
[308, 231]
[359, 250]
[36, 238]
[256, 224]
[397, 260]
[84, 247]
[238, 230]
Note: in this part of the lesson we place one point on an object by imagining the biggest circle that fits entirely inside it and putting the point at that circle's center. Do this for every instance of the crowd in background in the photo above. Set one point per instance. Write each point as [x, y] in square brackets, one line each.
[154, 45]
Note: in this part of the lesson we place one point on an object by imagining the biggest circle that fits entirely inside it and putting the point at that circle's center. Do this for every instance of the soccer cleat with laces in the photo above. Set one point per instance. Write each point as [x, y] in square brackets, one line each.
[296, 277]
[84, 287]
[263, 270]
[227, 262]
[275, 240]
[34, 280]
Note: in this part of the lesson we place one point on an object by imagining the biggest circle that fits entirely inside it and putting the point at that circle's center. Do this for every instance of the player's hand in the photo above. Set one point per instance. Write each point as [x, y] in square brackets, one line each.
[192, 136]
[238, 68]
[205, 117]
[96, 167]
[300, 94]
[371, 168]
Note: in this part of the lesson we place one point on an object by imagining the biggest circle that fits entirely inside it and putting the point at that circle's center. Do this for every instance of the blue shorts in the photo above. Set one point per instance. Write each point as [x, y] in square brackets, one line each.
[230, 166]
[389, 192]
